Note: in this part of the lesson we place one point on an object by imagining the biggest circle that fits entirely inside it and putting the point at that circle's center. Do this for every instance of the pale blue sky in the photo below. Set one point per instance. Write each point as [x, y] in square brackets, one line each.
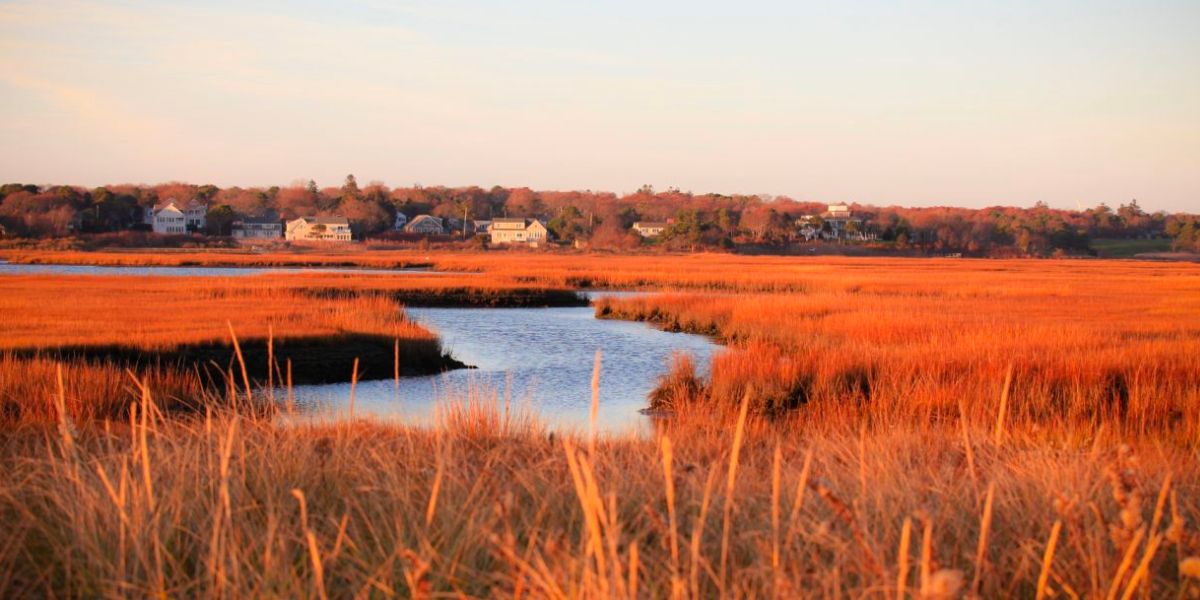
[915, 103]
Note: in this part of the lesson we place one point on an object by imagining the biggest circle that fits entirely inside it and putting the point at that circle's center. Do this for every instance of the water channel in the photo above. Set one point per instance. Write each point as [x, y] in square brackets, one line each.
[539, 358]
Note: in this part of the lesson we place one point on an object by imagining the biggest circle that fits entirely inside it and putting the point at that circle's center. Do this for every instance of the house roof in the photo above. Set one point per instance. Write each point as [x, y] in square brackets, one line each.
[419, 218]
[326, 220]
[651, 224]
[173, 202]
[514, 223]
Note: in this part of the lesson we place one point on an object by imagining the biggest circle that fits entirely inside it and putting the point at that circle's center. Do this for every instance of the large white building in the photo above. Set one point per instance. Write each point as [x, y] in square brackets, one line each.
[318, 229]
[838, 222]
[170, 218]
[518, 231]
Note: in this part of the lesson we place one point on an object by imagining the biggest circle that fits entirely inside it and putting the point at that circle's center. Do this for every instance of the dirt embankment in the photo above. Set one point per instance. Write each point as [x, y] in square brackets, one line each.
[324, 359]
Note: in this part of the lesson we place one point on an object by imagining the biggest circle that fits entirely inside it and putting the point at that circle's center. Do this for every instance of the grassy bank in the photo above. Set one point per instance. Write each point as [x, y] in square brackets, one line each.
[193, 330]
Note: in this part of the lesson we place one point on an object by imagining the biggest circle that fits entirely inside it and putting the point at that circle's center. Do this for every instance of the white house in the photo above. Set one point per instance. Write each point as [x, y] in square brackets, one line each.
[518, 231]
[426, 224]
[401, 221]
[839, 218]
[258, 228]
[169, 217]
[650, 228]
[318, 229]
[838, 211]
[838, 222]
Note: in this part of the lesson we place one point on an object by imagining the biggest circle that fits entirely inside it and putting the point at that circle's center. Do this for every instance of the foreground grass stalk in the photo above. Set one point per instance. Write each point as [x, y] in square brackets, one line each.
[730, 482]
[595, 409]
[237, 350]
[477, 508]
[353, 386]
[902, 559]
[1047, 561]
[672, 526]
[985, 525]
[776, 486]
[1002, 412]
[314, 552]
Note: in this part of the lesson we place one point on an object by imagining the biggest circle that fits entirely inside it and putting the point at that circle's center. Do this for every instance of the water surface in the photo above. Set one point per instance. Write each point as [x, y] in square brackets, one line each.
[543, 356]
[7, 268]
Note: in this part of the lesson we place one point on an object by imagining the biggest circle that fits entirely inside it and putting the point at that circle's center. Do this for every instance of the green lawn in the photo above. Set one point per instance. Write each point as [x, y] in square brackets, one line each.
[1121, 248]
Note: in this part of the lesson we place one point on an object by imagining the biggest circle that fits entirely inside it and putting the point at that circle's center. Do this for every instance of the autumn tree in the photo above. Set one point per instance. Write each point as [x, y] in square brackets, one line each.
[296, 201]
[568, 225]
[350, 189]
[523, 202]
[220, 220]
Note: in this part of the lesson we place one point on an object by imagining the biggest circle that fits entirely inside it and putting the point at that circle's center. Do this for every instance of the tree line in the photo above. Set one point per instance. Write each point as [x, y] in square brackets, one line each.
[600, 219]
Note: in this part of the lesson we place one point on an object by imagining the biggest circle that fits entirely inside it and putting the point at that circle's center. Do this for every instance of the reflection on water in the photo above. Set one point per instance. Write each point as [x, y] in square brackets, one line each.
[545, 354]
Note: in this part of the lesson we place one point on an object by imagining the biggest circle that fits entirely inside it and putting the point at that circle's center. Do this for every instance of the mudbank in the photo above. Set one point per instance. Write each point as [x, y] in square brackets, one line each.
[326, 359]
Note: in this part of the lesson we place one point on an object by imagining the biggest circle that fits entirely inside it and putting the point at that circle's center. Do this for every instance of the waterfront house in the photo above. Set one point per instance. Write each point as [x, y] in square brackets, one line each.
[840, 223]
[518, 231]
[318, 229]
[169, 217]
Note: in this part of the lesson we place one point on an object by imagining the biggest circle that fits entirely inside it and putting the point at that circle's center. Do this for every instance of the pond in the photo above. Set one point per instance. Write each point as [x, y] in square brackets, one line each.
[542, 356]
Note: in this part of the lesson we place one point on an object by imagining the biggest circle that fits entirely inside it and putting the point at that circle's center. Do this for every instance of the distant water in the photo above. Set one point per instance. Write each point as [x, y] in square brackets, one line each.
[7, 268]
[543, 355]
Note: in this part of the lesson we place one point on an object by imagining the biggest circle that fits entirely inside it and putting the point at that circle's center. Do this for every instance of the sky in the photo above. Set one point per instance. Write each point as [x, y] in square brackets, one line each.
[911, 103]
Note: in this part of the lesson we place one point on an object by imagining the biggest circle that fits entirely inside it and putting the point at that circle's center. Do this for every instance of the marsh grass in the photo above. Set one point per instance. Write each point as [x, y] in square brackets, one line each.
[485, 503]
[861, 437]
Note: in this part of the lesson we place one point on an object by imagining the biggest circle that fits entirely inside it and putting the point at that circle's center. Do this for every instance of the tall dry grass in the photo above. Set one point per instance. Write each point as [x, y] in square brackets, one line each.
[91, 392]
[484, 505]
